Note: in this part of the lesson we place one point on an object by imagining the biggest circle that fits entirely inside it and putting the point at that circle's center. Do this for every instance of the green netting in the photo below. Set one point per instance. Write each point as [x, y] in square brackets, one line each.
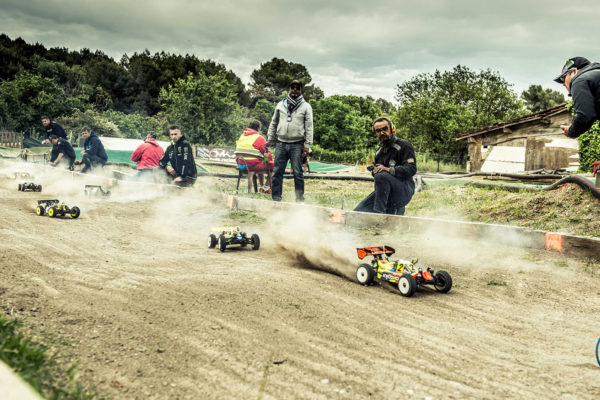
[113, 155]
[316, 166]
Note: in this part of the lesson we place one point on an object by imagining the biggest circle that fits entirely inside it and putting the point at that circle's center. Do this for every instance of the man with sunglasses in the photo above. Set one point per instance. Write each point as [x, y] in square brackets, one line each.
[292, 127]
[393, 171]
[582, 80]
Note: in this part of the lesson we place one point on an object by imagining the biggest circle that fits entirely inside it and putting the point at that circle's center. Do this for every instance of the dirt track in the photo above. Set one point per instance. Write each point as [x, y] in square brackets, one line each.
[150, 312]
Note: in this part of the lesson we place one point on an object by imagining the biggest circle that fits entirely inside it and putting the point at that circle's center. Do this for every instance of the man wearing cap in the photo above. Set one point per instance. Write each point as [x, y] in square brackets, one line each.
[582, 80]
[62, 152]
[147, 155]
[292, 127]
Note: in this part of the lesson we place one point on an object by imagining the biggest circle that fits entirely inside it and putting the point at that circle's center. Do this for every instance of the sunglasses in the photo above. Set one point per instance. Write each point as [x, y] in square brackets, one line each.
[295, 87]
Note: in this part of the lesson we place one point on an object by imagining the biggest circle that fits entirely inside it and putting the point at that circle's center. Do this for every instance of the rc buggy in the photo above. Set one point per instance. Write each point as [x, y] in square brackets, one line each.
[23, 187]
[226, 236]
[403, 273]
[96, 191]
[54, 208]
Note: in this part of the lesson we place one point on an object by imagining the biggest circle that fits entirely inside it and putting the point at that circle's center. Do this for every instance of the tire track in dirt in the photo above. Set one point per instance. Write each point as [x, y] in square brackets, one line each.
[152, 313]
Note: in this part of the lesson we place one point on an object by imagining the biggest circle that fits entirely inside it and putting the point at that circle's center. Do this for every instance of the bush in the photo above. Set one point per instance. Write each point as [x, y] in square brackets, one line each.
[589, 148]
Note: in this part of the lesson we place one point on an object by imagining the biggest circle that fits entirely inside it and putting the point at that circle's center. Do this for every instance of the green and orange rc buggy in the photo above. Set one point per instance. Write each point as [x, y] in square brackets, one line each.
[54, 208]
[228, 235]
[403, 273]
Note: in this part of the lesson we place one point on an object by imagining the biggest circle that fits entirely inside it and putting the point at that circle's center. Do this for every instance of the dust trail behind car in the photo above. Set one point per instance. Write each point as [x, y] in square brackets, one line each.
[313, 242]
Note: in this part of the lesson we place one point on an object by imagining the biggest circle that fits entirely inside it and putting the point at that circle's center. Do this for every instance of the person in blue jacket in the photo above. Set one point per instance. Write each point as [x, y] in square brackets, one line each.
[93, 153]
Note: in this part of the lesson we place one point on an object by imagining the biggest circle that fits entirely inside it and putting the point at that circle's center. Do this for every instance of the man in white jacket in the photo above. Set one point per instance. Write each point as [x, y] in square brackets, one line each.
[292, 127]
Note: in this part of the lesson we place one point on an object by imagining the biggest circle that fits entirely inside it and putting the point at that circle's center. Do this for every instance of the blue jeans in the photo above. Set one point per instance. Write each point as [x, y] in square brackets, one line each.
[283, 153]
[391, 195]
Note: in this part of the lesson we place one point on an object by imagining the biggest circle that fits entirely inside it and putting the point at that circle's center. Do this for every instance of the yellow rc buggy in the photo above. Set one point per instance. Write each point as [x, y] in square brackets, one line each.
[403, 273]
[54, 208]
[229, 235]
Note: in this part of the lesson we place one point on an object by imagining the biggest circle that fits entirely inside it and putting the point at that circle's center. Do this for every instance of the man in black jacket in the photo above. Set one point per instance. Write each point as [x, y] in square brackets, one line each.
[395, 166]
[582, 80]
[52, 128]
[62, 151]
[178, 159]
[93, 153]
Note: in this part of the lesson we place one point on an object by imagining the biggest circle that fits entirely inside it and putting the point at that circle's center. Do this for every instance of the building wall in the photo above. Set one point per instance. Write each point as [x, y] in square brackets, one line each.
[525, 147]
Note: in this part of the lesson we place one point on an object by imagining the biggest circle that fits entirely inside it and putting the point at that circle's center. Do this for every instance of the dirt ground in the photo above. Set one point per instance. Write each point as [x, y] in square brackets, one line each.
[149, 312]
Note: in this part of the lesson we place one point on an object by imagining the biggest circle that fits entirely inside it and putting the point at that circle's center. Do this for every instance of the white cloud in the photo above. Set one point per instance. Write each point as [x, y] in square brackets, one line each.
[349, 47]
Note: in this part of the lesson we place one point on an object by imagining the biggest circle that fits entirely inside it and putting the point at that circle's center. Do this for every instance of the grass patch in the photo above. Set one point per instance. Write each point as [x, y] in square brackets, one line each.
[494, 282]
[36, 364]
[245, 217]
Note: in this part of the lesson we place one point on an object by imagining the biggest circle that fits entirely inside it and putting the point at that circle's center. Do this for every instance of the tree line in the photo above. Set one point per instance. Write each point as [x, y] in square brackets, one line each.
[146, 92]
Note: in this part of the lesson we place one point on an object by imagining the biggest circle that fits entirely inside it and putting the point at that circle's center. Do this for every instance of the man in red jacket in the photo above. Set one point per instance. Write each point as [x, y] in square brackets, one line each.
[147, 155]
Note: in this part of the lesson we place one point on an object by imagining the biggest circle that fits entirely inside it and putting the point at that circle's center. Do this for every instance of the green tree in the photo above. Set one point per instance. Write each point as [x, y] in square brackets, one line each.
[201, 106]
[263, 111]
[386, 107]
[271, 81]
[26, 98]
[537, 98]
[436, 107]
[98, 123]
[134, 126]
[339, 126]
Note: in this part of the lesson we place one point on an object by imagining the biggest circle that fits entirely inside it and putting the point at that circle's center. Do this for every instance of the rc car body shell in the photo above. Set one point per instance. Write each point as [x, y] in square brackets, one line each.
[404, 273]
[231, 235]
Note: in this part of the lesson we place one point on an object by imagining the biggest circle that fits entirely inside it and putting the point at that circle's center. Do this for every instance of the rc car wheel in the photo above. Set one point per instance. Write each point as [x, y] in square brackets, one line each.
[52, 211]
[39, 188]
[365, 274]
[444, 282]
[407, 285]
[222, 243]
[255, 241]
[75, 212]
[40, 210]
[20, 187]
[212, 241]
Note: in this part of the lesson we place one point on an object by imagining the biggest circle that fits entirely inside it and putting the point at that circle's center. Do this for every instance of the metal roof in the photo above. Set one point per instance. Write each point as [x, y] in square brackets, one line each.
[517, 121]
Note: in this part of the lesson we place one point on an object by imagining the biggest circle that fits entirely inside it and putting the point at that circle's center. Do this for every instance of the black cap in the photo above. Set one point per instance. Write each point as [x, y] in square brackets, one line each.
[571, 64]
[296, 82]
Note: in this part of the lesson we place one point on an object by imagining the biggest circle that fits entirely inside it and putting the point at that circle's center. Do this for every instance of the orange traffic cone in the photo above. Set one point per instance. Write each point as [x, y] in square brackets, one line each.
[363, 169]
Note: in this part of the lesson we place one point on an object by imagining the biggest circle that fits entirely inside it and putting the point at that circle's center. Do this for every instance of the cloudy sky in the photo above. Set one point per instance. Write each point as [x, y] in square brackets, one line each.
[362, 47]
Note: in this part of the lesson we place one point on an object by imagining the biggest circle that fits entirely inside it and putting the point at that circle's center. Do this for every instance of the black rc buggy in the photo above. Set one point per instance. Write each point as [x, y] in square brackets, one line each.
[29, 186]
[54, 208]
[96, 191]
[405, 274]
[230, 235]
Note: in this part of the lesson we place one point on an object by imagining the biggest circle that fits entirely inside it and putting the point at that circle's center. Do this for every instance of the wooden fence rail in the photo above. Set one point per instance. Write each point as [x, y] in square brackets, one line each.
[11, 139]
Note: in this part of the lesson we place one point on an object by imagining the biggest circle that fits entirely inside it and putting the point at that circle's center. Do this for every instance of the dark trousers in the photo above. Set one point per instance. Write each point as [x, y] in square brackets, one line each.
[391, 195]
[65, 161]
[283, 153]
[90, 161]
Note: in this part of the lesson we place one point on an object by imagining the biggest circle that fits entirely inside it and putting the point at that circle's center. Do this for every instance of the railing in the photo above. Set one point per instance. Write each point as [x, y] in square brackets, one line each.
[11, 139]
